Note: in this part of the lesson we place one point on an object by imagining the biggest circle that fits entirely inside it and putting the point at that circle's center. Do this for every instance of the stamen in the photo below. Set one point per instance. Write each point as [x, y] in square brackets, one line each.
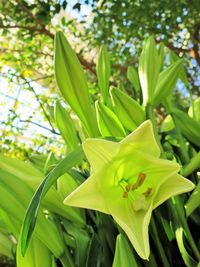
[148, 192]
[128, 187]
[140, 180]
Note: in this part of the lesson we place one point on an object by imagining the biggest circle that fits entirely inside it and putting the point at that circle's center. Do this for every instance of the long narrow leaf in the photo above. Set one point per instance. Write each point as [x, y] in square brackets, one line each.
[31, 214]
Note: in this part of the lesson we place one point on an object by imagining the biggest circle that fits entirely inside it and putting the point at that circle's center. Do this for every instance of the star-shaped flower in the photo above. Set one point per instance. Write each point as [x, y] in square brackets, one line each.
[128, 181]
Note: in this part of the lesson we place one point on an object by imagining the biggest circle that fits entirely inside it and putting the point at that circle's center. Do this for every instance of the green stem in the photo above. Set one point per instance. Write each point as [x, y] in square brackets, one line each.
[159, 244]
[193, 165]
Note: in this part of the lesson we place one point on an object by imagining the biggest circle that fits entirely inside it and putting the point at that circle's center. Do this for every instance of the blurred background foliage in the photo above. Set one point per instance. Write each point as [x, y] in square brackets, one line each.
[27, 84]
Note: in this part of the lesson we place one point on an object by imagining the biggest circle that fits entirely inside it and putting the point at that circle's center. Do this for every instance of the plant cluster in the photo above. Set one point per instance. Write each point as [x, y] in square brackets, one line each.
[121, 196]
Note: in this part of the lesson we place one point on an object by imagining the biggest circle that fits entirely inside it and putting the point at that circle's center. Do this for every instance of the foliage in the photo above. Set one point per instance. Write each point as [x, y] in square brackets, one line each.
[178, 28]
[84, 237]
[135, 82]
[26, 45]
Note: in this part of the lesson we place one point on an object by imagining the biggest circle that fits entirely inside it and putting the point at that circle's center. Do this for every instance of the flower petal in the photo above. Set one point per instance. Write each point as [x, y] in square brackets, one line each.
[134, 162]
[143, 139]
[135, 224]
[88, 196]
[174, 185]
[99, 152]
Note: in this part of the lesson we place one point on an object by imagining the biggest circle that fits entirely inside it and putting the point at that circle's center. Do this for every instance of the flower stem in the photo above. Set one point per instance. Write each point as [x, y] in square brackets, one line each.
[159, 244]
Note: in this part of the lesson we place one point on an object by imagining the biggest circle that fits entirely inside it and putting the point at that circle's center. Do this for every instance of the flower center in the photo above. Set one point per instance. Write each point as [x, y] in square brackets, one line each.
[136, 192]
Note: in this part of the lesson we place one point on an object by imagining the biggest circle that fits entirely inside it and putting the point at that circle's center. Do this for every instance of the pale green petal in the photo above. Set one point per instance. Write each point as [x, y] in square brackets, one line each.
[99, 152]
[143, 139]
[134, 162]
[135, 224]
[174, 185]
[88, 195]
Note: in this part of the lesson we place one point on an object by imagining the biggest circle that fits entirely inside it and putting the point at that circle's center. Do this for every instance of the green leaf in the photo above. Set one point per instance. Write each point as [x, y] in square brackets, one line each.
[65, 126]
[31, 214]
[193, 201]
[149, 67]
[6, 245]
[188, 126]
[38, 161]
[161, 54]
[195, 113]
[37, 255]
[50, 163]
[17, 195]
[103, 72]
[189, 261]
[123, 253]
[133, 77]
[94, 252]
[182, 73]
[167, 81]
[25, 176]
[167, 124]
[72, 83]
[129, 112]
[108, 122]
[82, 240]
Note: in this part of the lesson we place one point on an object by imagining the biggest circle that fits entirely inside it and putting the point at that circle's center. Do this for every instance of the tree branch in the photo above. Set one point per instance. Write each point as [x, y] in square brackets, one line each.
[195, 49]
[42, 25]
[19, 26]
[41, 126]
[40, 103]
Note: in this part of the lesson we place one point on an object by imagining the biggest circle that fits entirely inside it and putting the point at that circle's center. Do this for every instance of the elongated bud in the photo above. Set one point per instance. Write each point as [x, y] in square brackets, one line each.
[188, 126]
[133, 77]
[72, 83]
[149, 67]
[108, 122]
[65, 126]
[129, 112]
[167, 81]
[103, 72]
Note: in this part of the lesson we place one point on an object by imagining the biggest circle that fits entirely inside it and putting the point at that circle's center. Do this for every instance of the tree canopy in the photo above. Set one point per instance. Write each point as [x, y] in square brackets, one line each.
[27, 41]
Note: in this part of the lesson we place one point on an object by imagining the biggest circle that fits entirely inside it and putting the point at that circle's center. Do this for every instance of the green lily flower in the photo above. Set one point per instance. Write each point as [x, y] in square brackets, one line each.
[128, 181]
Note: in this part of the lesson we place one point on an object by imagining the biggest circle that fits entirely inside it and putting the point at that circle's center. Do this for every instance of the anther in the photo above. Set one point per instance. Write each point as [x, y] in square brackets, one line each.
[148, 192]
[128, 187]
[140, 180]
